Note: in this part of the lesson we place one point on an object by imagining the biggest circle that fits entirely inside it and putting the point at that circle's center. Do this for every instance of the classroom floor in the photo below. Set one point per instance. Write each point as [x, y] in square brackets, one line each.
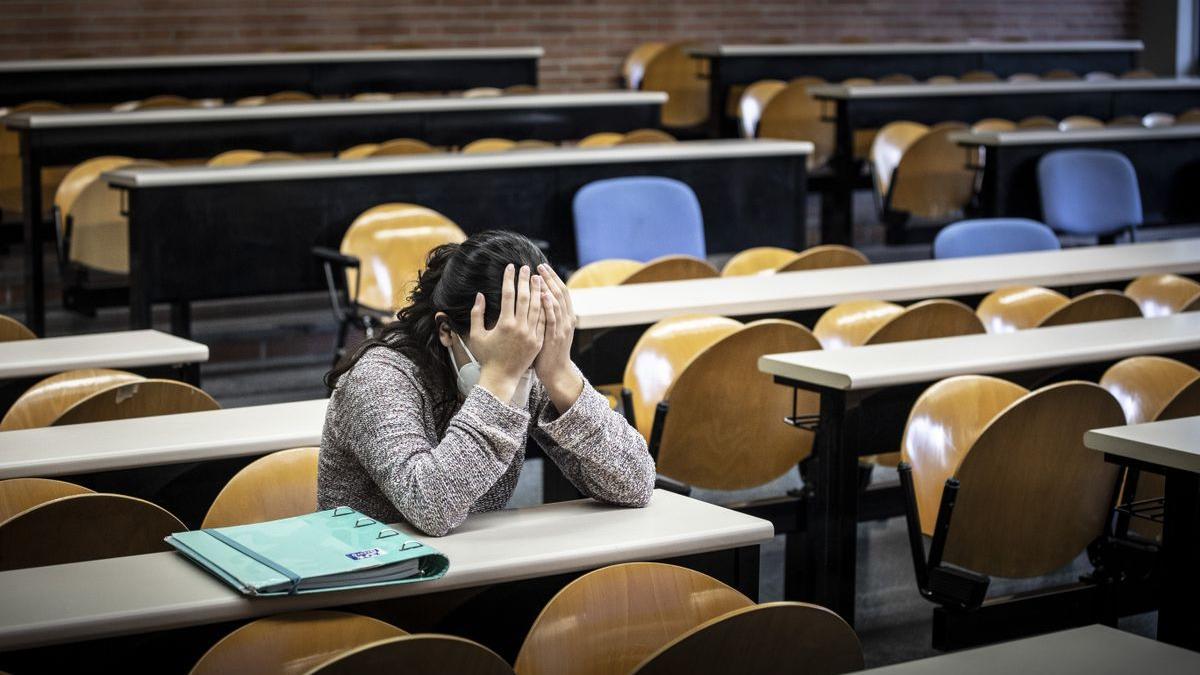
[266, 350]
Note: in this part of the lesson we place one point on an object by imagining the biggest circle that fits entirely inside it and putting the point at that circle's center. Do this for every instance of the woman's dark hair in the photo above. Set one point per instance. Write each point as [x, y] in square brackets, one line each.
[453, 274]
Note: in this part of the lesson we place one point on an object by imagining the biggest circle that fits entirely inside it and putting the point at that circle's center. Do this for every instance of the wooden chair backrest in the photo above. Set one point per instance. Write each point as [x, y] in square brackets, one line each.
[1185, 404]
[282, 484]
[1060, 74]
[823, 257]
[662, 353]
[84, 527]
[1163, 294]
[609, 272]
[674, 71]
[645, 136]
[768, 639]
[1038, 122]
[402, 146]
[1075, 122]
[932, 179]
[532, 144]
[941, 79]
[752, 103]
[83, 174]
[277, 156]
[372, 96]
[1138, 74]
[292, 643]
[793, 114]
[1022, 77]
[240, 157]
[993, 124]
[99, 231]
[146, 398]
[757, 260]
[1189, 116]
[517, 89]
[1145, 385]
[1033, 497]
[10, 160]
[22, 494]
[979, 76]
[358, 151]
[927, 319]
[425, 654]
[608, 621]
[672, 268]
[489, 145]
[1124, 121]
[483, 92]
[897, 78]
[1099, 305]
[157, 102]
[721, 400]
[1014, 308]
[634, 67]
[889, 146]
[12, 330]
[850, 323]
[289, 97]
[48, 399]
[391, 242]
[601, 139]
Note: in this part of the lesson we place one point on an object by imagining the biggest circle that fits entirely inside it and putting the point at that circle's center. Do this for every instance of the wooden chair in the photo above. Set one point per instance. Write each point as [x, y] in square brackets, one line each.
[867, 322]
[482, 92]
[280, 485]
[1098, 76]
[942, 79]
[1138, 74]
[292, 643]
[1038, 122]
[84, 527]
[1016, 308]
[10, 162]
[46, 401]
[643, 136]
[793, 114]
[609, 272]
[769, 639]
[372, 97]
[1124, 121]
[234, 158]
[672, 268]
[489, 145]
[21, 494]
[424, 654]
[757, 260]
[12, 330]
[674, 71]
[1077, 122]
[602, 139]
[634, 67]
[978, 76]
[359, 151]
[608, 621]
[1060, 74]
[147, 398]
[931, 180]
[288, 97]
[993, 124]
[1023, 77]
[890, 144]
[1163, 294]
[753, 101]
[825, 256]
[400, 146]
[517, 89]
[1190, 116]
[532, 144]
[155, 102]
[381, 255]
[897, 78]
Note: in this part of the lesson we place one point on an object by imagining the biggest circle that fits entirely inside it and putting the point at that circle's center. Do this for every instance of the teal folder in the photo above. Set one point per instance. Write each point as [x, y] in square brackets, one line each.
[323, 551]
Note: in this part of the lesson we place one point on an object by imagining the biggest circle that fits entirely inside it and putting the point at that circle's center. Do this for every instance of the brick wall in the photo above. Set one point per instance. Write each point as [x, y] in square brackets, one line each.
[585, 40]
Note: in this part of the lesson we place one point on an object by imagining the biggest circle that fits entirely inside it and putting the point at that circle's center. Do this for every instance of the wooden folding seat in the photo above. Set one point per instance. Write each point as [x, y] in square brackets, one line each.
[489, 145]
[80, 527]
[610, 620]
[610, 272]
[674, 71]
[890, 144]
[517, 89]
[282, 484]
[398, 146]
[1163, 294]
[930, 178]
[753, 101]
[993, 124]
[1023, 77]
[897, 78]
[532, 144]
[793, 114]
[21, 494]
[293, 643]
[1138, 74]
[1190, 116]
[769, 639]
[1124, 121]
[12, 330]
[672, 268]
[1016, 308]
[146, 398]
[634, 67]
[601, 139]
[424, 654]
[757, 260]
[11, 204]
[277, 98]
[1078, 122]
[154, 103]
[372, 97]
[825, 256]
[358, 151]
[46, 401]
[643, 136]
[1038, 122]
[483, 92]
[247, 157]
[978, 76]
[867, 322]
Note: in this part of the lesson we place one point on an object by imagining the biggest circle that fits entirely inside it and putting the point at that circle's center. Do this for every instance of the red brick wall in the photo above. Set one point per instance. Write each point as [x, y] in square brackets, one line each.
[585, 40]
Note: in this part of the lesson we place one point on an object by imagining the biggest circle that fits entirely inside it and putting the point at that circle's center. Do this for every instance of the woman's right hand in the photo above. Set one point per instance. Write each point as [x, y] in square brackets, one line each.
[507, 350]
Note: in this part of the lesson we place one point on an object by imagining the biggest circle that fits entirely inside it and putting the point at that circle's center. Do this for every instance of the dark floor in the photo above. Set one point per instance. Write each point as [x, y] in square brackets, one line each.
[276, 349]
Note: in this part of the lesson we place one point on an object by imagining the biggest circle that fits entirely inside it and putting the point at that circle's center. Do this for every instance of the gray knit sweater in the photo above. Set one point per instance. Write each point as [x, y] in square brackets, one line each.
[382, 453]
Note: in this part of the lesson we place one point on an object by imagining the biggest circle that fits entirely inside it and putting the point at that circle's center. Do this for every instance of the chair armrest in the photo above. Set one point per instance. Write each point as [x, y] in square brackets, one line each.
[672, 485]
[331, 256]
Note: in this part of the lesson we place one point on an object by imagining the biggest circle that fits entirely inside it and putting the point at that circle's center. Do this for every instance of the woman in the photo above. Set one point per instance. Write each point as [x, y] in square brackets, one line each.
[429, 422]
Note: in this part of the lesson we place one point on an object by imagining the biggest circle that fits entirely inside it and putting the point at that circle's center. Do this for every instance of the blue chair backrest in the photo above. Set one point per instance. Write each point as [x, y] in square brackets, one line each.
[640, 218]
[1089, 192]
[992, 236]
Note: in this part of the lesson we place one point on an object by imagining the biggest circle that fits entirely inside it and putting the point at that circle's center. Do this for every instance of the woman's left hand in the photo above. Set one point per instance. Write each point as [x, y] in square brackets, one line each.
[553, 362]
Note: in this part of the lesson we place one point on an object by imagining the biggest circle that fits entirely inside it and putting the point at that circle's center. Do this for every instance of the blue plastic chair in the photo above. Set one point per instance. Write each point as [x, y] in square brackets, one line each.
[1089, 192]
[993, 236]
[640, 218]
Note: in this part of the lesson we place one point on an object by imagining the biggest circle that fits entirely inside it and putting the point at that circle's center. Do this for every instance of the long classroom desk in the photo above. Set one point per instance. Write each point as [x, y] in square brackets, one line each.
[63, 139]
[740, 65]
[1165, 159]
[873, 106]
[229, 76]
[197, 233]
[886, 379]
[161, 591]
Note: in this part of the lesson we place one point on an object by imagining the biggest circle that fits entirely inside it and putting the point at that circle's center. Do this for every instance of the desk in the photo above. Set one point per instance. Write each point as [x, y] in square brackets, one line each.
[889, 377]
[1171, 447]
[1092, 650]
[870, 107]
[198, 233]
[1165, 160]
[129, 349]
[230, 76]
[58, 604]
[60, 139]
[733, 65]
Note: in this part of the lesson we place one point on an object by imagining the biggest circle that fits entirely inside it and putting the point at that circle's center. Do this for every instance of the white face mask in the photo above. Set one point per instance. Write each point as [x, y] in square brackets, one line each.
[468, 377]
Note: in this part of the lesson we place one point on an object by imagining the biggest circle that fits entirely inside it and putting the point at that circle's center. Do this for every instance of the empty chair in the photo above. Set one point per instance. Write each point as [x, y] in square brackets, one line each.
[1089, 192]
[757, 260]
[1023, 77]
[489, 145]
[10, 162]
[1016, 308]
[634, 67]
[641, 136]
[888, 147]
[767, 639]
[277, 98]
[825, 256]
[601, 139]
[1038, 122]
[671, 268]
[942, 79]
[44, 402]
[610, 272]
[1190, 116]
[1124, 121]
[21, 494]
[610, 620]
[993, 124]
[639, 218]
[930, 180]
[12, 330]
[372, 97]
[247, 157]
[793, 114]
[358, 151]
[482, 92]
[1078, 122]
[425, 654]
[866, 322]
[380, 256]
[752, 103]
[400, 146]
[897, 78]
[88, 526]
[673, 70]
[532, 144]
[155, 102]
[280, 485]
[978, 76]
[1163, 294]
[517, 89]
[1155, 120]
[993, 236]
[292, 643]
[1138, 74]
[1060, 74]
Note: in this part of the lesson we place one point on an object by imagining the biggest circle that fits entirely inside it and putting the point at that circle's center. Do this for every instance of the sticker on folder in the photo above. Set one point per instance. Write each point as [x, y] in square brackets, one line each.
[369, 553]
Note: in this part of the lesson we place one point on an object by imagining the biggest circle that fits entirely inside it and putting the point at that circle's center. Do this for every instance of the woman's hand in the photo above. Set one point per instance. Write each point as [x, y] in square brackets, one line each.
[553, 362]
[508, 349]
